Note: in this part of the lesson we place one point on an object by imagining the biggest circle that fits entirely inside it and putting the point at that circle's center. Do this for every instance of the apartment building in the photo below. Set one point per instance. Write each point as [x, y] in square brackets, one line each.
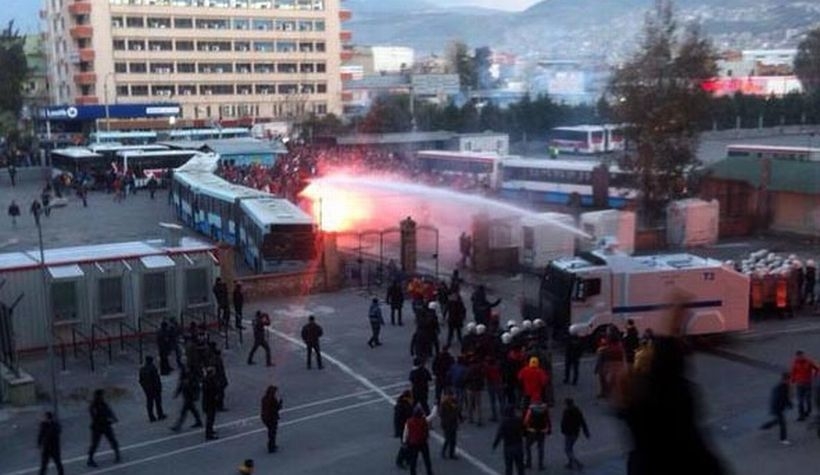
[219, 59]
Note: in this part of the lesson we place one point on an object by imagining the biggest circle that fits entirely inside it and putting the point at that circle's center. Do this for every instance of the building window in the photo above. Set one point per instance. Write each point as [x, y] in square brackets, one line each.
[163, 90]
[119, 45]
[137, 68]
[265, 89]
[286, 68]
[139, 90]
[241, 24]
[306, 47]
[159, 22]
[259, 24]
[187, 90]
[320, 46]
[110, 294]
[321, 88]
[116, 22]
[64, 300]
[285, 46]
[244, 89]
[215, 68]
[263, 68]
[134, 22]
[288, 88]
[321, 67]
[321, 109]
[285, 25]
[263, 46]
[243, 68]
[185, 45]
[136, 45]
[186, 68]
[121, 91]
[319, 26]
[183, 23]
[120, 68]
[154, 292]
[216, 89]
[162, 68]
[306, 68]
[242, 46]
[160, 46]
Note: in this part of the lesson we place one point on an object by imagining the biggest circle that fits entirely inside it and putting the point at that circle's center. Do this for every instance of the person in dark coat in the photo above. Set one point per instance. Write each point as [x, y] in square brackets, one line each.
[395, 298]
[481, 306]
[12, 174]
[238, 304]
[779, 402]
[151, 385]
[810, 281]
[311, 333]
[573, 351]
[45, 197]
[271, 405]
[420, 382]
[48, 441]
[102, 417]
[374, 315]
[441, 368]
[456, 315]
[538, 426]
[223, 311]
[572, 423]
[165, 345]
[260, 322]
[14, 212]
[450, 415]
[152, 186]
[402, 411]
[189, 388]
[631, 341]
[215, 360]
[421, 345]
[210, 401]
[511, 432]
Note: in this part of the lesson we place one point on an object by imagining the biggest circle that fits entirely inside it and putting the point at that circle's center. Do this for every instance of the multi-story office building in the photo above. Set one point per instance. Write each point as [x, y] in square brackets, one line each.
[219, 59]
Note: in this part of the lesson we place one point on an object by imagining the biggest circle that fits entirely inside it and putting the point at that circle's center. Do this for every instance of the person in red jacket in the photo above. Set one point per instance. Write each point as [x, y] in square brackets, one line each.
[803, 372]
[416, 436]
[533, 380]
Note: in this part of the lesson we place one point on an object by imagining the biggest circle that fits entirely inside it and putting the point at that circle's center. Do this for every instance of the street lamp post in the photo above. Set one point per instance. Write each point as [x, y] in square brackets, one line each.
[47, 314]
[105, 92]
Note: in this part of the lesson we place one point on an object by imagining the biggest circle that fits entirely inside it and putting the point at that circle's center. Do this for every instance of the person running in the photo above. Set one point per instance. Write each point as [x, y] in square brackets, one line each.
[102, 417]
[779, 402]
[511, 432]
[271, 405]
[311, 333]
[376, 322]
[48, 441]
[572, 423]
[260, 322]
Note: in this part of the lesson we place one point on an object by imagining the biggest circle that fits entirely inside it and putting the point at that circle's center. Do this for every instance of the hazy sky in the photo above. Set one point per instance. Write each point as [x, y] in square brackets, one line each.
[24, 12]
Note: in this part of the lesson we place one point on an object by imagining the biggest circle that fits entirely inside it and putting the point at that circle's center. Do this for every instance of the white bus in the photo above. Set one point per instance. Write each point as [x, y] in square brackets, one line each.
[587, 139]
[475, 166]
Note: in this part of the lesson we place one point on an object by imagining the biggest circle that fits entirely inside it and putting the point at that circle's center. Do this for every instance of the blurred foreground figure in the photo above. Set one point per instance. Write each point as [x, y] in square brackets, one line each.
[660, 408]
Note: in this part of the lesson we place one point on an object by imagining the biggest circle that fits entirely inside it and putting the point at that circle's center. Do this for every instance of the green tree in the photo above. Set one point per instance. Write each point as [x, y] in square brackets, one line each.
[13, 71]
[387, 114]
[807, 62]
[658, 93]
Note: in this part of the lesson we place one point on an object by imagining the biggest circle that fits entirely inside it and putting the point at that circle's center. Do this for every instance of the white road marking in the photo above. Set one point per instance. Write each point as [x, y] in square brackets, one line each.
[218, 426]
[478, 464]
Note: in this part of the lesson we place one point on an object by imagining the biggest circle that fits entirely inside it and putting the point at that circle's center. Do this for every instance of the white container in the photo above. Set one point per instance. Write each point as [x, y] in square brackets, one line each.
[692, 222]
[546, 237]
[609, 225]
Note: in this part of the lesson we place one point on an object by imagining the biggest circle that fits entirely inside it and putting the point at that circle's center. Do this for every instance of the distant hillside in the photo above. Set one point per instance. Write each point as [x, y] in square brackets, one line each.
[577, 27]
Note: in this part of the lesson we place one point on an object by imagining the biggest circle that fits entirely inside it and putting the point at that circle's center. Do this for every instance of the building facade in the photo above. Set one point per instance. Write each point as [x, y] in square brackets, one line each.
[219, 59]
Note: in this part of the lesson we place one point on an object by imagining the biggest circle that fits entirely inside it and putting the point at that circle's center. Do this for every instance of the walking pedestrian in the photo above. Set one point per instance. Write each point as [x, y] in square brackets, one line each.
[779, 402]
[803, 373]
[311, 333]
[416, 436]
[495, 386]
[395, 298]
[102, 417]
[456, 314]
[238, 304]
[189, 388]
[631, 341]
[14, 212]
[465, 247]
[164, 346]
[376, 322]
[83, 192]
[572, 359]
[538, 426]
[218, 364]
[511, 432]
[36, 210]
[151, 385]
[45, 197]
[152, 186]
[810, 281]
[12, 174]
[420, 384]
[450, 416]
[441, 368]
[482, 308]
[271, 405]
[260, 322]
[474, 384]
[48, 441]
[223, 311]
[572, 423]
[210, 398]
[402, 411]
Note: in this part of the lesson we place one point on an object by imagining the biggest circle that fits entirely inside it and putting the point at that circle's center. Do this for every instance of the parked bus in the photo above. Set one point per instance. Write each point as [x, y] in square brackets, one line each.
[135, 137]
[478, 167]
[555, 181]
[774, 152]
[587, 139]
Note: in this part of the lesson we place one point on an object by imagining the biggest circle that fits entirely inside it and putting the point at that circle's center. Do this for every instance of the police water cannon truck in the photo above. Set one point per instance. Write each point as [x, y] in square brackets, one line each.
[587, 294]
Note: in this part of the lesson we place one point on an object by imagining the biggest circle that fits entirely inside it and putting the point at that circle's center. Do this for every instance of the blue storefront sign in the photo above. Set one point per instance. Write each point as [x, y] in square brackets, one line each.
[115, 111]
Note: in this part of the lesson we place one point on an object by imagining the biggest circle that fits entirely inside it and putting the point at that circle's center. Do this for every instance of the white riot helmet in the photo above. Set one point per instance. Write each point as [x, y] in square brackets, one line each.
[506, 338]
[432, 305]
[469, 328]
[480, 329]
[510, 324]
[514, 331]
[527, 325]
[538, 323]
[810, 263]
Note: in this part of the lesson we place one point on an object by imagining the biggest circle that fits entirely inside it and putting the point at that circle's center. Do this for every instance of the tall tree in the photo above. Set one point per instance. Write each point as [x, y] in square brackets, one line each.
[807, 62]
[658, 93]
[461, 63]
[13, 71]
